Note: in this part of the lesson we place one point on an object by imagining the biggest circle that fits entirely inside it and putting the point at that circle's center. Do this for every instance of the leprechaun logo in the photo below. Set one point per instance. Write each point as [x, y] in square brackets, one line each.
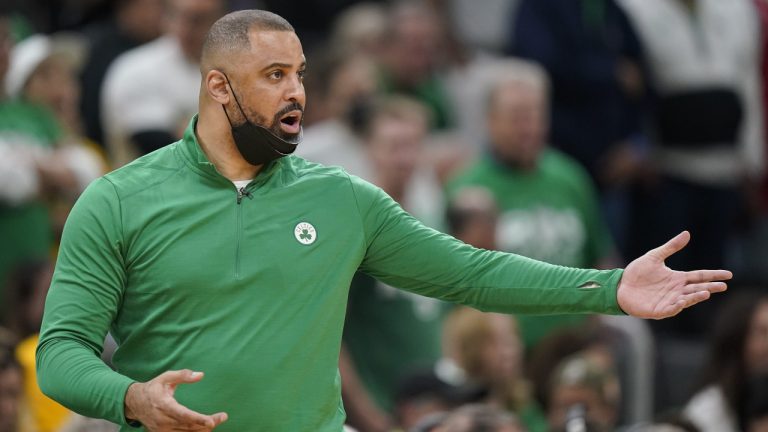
[305, 233]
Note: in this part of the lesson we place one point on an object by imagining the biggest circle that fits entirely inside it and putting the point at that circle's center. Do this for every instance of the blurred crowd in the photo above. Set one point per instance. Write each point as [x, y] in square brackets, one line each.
[577, 132]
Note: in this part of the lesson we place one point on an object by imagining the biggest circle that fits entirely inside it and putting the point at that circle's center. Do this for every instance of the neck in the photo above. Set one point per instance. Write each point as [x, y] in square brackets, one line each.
[217, 144]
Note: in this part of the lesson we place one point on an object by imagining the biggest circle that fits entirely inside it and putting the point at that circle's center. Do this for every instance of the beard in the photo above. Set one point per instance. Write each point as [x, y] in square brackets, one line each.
[274, 125]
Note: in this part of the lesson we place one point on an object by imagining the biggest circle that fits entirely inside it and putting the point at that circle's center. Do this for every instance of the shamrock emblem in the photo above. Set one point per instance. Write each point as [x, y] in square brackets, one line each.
[305, 233]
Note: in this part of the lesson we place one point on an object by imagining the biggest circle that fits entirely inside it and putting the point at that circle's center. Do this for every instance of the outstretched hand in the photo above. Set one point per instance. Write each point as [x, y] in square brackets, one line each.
[650, 289]
[152, 403]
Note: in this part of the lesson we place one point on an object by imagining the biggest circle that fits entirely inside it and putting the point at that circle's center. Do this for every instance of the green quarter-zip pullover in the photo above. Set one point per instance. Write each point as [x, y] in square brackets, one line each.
[250, 286]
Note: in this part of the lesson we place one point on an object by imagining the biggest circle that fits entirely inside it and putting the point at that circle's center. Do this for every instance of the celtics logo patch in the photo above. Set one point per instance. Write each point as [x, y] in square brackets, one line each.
[305, 233]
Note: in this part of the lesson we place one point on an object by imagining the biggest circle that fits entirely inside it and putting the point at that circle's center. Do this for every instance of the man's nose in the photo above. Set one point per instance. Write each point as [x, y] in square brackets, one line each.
[295, 91]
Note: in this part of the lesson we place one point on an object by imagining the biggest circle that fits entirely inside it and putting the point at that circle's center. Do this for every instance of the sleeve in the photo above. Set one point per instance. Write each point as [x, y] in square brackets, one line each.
[82, 303]
[406, 254]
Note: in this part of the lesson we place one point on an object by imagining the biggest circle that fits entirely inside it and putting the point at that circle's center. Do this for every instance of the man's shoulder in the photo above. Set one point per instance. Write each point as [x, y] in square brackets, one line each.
[148, 170]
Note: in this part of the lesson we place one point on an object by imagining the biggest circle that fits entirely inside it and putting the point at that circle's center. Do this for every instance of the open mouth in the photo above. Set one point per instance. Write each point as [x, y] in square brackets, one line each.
[291, 122]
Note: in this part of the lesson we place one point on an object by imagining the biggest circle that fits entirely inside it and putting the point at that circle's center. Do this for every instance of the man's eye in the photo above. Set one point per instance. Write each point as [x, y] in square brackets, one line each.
[302, 74]
[276, 74]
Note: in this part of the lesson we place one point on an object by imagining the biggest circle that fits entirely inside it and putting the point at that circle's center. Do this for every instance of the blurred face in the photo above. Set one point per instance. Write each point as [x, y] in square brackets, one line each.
[268, 83]
[5, 48]
[356, 79]
[54, 85]
[395, 146]
[189, 20]
[597, 412]
[502, 355]
[415, 46]
[10, 399]
[756, 348]
[143, 19]
[517, 123]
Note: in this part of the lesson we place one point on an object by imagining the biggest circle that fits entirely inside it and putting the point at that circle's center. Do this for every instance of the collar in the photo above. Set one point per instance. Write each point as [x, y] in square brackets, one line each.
[194, 156]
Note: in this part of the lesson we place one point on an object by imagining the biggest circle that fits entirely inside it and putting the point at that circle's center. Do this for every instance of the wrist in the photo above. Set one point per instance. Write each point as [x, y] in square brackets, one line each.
[129, 409]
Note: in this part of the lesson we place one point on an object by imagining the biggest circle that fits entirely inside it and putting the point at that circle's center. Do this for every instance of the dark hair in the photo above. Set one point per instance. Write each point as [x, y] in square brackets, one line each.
[230, 32]
[726, 366]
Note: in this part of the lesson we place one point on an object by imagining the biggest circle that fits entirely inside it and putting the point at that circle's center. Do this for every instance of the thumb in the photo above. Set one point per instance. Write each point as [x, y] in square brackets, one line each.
[674, 245]
[184, 376]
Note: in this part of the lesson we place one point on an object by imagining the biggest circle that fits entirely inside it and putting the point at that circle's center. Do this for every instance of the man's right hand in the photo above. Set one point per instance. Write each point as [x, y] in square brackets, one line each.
[152, 403]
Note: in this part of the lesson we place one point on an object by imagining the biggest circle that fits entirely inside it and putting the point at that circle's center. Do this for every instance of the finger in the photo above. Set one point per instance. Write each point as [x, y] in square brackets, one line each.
[698, 276]
[672, 246]
[186, 417]
[184, 376]
[688, 300]
[711, 287]
[219, 418]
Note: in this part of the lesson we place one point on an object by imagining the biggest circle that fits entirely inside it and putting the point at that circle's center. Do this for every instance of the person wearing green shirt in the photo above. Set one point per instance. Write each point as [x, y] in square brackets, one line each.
[547, 203]
[194, 274]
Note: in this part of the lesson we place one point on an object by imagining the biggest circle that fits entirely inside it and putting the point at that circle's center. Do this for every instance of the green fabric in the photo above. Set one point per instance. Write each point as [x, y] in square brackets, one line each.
[390, 333]
[161, 253]
[25, 229]
[550, 214]
[534, 418]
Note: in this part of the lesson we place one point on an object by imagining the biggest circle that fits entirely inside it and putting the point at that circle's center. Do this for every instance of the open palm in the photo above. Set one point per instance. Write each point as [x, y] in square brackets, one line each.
[650, 289]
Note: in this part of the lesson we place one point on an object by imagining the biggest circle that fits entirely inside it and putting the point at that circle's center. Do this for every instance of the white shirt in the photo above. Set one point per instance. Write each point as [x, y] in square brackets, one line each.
[709, 411]
[717, 46]
[152, 87]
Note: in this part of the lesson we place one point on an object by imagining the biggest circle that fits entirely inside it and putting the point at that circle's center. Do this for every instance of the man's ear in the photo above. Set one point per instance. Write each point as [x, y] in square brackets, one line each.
[216, 86]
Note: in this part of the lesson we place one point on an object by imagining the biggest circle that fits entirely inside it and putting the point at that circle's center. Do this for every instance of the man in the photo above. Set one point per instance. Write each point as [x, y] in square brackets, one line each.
[145, 95]
[547, 202]
[248, 284]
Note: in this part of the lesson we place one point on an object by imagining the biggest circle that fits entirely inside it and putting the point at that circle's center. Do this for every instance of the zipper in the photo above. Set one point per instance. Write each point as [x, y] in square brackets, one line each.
[241, 192]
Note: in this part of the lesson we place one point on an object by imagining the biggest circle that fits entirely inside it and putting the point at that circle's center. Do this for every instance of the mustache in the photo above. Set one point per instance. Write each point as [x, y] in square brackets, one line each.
[295, 106]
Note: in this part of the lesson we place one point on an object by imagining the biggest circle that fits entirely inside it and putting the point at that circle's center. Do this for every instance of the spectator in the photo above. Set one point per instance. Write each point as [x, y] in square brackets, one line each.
[472, 418]
[412, 58]
[594, 59]
[707, 132]
[472, 217]
[583, 392]
[547, 202]
[423, 398]
[739, 350]
[134, 22]
[146, 95]
[389, 332]
[485, 349]
[41, 160]
[343, 83]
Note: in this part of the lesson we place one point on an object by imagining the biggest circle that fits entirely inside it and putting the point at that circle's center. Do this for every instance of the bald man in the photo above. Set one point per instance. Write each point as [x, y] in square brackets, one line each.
[222, 255]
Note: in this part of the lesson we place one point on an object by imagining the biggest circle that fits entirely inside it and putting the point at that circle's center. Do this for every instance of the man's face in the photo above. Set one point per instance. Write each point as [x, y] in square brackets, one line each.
[517, 123]
[10, 399]
[189, 20]
[268, 82]
[395, 146]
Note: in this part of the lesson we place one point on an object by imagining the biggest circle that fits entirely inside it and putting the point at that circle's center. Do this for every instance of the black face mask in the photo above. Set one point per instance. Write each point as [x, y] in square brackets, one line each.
[259, 145]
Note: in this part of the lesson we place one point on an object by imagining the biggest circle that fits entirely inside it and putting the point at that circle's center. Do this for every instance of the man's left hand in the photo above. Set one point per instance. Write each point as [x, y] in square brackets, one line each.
[650, 289]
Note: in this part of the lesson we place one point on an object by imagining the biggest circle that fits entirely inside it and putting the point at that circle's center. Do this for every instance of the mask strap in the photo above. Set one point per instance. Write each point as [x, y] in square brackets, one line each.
[236, 101]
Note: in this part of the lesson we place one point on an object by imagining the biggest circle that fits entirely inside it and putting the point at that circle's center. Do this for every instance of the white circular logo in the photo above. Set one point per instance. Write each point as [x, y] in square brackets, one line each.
[305, 233]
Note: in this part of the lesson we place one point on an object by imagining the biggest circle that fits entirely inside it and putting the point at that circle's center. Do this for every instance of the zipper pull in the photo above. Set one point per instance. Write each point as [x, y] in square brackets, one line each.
[241, 193]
